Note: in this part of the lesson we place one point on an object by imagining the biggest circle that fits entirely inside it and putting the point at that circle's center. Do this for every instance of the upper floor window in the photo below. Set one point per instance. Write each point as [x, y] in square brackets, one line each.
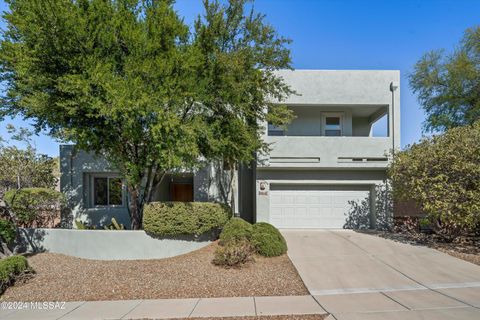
[275, 131]
[107, 191]
[332, 125]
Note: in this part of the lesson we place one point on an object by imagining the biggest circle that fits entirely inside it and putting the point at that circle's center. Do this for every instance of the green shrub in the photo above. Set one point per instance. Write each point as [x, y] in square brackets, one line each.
[10, 269]
[235, 230]
[441, 174]
[234, 253]
[7, 231]
[267, 240]
[34, 206]
[183, 218]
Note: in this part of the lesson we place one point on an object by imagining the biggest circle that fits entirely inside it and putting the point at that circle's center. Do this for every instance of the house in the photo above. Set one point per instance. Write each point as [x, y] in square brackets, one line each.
[321, 170]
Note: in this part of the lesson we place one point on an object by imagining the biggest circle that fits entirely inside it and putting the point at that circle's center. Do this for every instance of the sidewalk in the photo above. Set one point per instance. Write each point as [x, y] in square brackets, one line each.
[173, 308]
[424, 304]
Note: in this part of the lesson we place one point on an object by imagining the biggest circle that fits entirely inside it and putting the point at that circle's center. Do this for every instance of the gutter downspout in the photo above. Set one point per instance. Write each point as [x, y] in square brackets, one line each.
[393, 88]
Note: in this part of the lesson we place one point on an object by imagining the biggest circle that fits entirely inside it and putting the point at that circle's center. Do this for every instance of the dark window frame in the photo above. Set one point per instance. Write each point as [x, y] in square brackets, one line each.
[108, 204]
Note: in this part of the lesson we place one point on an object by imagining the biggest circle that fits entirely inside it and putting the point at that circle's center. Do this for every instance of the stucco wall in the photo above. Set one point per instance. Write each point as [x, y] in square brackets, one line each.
[75, 166]
[104, 244]
[354, 89]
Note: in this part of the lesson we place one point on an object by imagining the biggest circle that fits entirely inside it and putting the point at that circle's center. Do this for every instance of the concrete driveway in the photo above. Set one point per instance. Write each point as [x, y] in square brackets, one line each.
[359, 276]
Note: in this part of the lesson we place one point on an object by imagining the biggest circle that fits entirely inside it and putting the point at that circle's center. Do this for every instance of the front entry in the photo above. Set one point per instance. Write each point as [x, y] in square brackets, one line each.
[182, 192]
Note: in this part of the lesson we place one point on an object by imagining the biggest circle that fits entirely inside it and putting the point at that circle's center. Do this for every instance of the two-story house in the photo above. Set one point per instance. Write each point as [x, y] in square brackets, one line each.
[328, 159]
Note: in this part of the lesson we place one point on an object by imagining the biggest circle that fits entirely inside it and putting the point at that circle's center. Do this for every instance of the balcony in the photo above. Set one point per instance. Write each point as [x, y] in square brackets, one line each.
[327, 152]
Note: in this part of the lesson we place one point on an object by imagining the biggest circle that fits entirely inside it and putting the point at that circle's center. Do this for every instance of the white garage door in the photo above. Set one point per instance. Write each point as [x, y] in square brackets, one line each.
[312, 207]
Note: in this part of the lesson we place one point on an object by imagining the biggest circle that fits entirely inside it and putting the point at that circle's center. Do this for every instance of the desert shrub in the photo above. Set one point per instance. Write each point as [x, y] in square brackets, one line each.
[235, 230]
[7, 231]
[234, 253]
[441, 174]
[267, 240]
[10, 269]
[35, 207]
[183, 218]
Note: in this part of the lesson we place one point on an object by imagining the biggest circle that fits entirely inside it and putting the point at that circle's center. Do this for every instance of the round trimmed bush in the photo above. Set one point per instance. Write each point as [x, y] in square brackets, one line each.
[267, 240]
[235, 230]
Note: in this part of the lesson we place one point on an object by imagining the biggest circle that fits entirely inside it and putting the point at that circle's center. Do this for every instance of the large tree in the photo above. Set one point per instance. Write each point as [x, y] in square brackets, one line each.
[127, 79]
[448, 86]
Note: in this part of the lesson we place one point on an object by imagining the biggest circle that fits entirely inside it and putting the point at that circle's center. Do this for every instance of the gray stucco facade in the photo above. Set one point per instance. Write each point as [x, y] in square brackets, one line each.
[307, 170]
[328, 157]
[78, 168]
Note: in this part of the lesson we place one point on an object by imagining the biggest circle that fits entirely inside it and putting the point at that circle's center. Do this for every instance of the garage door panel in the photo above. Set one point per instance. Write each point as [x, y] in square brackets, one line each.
[312, 208]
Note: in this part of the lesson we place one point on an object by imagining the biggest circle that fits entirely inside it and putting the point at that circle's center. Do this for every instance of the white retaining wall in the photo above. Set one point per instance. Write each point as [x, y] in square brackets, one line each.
[104, 244]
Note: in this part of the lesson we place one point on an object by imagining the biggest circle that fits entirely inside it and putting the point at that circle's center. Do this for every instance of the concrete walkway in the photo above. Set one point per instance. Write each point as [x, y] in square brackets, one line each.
[359, 276]
[173, 308]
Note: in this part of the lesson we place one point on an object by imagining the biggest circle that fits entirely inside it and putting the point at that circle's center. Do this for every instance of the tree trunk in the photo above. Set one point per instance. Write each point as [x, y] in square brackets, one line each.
[135, 208]
[233, 188]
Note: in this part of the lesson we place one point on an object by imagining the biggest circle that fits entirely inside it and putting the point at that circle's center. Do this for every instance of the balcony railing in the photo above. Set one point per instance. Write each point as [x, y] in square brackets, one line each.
[320, 151]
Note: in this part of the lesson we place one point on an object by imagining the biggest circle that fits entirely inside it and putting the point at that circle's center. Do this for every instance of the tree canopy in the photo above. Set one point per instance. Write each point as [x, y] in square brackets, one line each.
[128, 79]
[448, 86]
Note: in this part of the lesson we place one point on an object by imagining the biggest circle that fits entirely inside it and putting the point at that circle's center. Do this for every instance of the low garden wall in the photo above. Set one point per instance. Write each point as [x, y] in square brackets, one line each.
[104, 244]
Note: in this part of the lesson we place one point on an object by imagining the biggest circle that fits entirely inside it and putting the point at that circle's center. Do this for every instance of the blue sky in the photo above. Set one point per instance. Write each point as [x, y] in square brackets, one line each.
[352, 34]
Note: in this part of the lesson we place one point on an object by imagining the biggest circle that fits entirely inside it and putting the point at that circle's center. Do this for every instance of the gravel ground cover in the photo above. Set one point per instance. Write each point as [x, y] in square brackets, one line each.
[64, 278]
[465, 248]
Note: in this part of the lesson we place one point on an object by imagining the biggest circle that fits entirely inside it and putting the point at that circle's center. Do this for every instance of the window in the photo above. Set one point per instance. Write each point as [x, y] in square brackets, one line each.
[332, 125]
[275, 131]
[107, 191]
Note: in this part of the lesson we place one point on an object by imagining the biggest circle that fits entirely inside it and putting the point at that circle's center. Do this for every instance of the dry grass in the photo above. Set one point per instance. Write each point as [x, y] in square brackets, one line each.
[64, 278]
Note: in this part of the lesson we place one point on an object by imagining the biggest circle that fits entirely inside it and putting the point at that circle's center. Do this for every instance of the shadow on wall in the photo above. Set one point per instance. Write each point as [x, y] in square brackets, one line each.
[359, 214]
[213, 183]
[29, 240]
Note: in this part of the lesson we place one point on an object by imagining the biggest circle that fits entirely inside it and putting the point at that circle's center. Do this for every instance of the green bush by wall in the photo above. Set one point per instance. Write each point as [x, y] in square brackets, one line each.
[184, 218]
[10, 269]
[235, 230]
[7, 231]
[33, 204]
[267, 240]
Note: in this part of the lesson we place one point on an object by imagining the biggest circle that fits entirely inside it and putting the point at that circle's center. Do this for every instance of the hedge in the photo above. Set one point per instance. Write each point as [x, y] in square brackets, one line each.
[267, 240]
[7, 231]
[184, 218]
[10, 269]
[33, 205]
[236, 229]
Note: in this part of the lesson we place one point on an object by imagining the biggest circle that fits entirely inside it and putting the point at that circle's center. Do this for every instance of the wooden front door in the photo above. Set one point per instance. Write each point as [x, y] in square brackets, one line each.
[182, 192]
